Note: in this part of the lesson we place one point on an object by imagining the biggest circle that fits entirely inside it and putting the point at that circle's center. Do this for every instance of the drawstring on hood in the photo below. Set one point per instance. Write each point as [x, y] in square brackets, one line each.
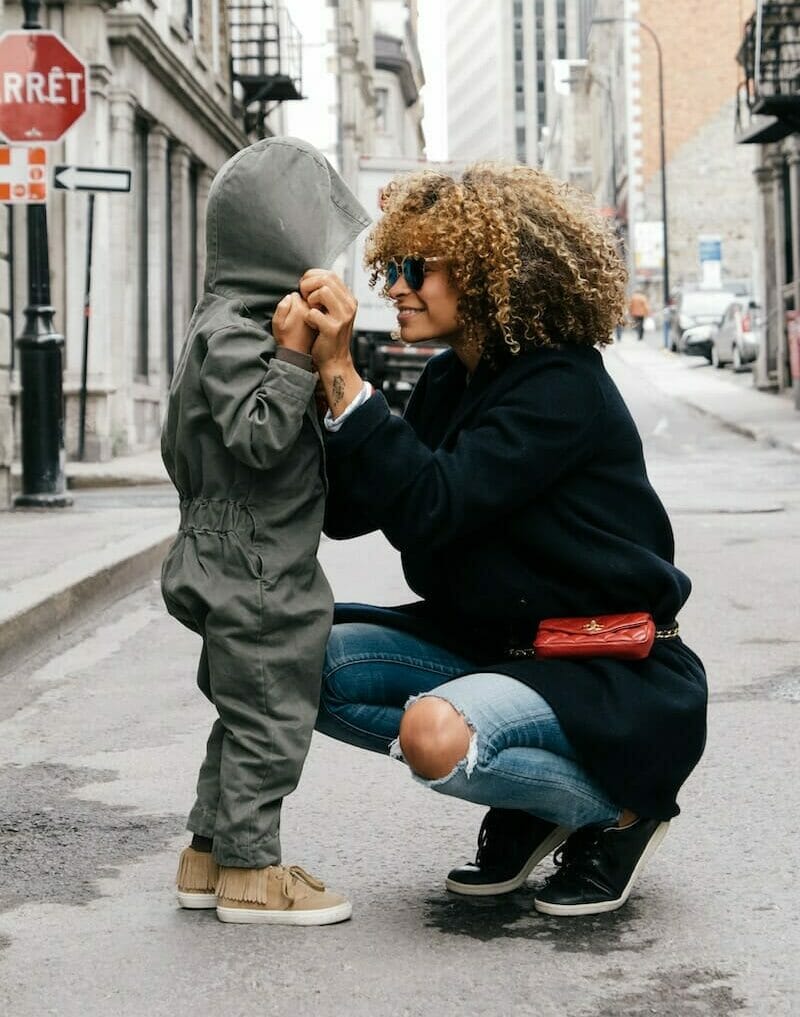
[275, 209]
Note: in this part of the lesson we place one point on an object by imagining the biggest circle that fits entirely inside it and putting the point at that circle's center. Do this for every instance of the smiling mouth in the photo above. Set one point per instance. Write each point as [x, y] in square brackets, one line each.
[404, 313]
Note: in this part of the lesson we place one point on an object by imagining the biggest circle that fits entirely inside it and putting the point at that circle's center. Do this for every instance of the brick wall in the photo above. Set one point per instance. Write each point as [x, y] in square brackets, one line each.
[699, 40]
[710, 186]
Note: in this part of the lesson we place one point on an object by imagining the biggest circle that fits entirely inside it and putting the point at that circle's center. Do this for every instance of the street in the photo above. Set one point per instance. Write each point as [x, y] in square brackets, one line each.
[100, 739]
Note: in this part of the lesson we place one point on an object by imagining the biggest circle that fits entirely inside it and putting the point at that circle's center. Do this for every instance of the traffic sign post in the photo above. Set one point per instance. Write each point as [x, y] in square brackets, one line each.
[91, 179]
[23, 175]
[82, 178]
[43, 91]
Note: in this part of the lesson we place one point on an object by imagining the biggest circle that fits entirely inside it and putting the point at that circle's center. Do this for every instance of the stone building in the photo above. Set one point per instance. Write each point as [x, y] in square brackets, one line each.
[177, 86]
[768, 125]
[398, 78]
[362, 80]
[703, 163]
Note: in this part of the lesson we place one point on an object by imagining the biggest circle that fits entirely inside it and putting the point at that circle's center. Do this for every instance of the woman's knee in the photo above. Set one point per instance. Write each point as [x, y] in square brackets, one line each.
[434, 737]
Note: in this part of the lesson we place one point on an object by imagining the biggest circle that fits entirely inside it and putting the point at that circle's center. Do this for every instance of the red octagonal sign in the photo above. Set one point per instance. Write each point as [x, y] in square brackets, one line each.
[43, 87]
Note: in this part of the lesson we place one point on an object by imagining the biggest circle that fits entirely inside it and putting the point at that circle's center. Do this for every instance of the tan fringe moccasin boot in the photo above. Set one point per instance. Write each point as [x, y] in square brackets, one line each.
[197, 879]
[277, 895]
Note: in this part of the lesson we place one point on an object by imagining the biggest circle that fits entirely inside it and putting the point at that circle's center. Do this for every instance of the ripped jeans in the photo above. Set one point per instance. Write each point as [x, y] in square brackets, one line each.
[519, 756]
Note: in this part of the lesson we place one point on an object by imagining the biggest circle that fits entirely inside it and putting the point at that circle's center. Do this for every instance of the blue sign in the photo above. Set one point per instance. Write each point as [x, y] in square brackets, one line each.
[711, 250]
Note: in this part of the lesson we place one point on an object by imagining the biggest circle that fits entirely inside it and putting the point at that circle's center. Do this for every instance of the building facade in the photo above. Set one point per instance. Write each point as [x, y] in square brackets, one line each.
[502, 92]
[176, 87]
[398, 79]
[768, 125]
[702, 159]
[362, 80]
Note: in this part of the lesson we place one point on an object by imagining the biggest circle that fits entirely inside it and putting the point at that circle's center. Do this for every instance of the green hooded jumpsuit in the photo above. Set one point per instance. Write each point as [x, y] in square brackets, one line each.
[243, 446]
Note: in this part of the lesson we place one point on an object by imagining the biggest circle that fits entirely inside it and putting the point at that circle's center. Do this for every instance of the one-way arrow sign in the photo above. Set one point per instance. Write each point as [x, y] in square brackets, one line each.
[91, 178]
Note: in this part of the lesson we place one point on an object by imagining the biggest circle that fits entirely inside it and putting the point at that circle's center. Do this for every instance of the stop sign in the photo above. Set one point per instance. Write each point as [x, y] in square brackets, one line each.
[43, 87]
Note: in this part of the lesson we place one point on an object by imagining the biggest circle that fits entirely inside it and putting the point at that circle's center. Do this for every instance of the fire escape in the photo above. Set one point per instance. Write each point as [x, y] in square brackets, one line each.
[769, 99]
[266, 61]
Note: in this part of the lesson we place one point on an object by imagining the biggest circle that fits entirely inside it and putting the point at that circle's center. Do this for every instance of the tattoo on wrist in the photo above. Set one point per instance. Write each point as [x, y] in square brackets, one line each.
[337, 389]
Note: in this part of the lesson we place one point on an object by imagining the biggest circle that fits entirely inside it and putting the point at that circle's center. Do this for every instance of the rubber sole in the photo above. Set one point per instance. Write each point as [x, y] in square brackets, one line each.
[606, 905]
[196, 901]
[550, 843]
[261, 916]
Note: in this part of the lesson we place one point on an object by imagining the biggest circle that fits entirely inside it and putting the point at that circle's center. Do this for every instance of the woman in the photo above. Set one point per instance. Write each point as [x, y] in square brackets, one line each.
[516, 491]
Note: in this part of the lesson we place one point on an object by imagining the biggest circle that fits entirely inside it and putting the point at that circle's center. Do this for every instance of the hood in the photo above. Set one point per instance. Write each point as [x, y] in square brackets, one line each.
[275, 209]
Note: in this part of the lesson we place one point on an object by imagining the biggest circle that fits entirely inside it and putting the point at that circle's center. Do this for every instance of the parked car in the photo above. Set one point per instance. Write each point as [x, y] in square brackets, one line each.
[738, 337]
[696, 307]
[698, 341]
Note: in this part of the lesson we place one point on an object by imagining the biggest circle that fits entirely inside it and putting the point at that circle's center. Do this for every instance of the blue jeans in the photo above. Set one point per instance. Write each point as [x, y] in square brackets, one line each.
[518, 757]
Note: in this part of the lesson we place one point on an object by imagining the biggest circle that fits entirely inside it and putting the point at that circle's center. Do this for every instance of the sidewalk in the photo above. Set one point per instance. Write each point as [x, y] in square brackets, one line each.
[729, 398]
[60, 564]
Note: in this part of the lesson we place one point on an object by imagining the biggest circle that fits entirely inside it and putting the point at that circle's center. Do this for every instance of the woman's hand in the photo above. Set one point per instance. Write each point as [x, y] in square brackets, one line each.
[289, 326]
[331, 313]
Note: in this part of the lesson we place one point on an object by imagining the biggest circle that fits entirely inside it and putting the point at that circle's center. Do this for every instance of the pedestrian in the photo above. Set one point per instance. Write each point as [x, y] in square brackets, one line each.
[243, 446]
[638, 309]
[515, 489]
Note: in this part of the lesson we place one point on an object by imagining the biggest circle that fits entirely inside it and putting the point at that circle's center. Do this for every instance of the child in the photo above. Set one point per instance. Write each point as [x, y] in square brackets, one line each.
[243, 446]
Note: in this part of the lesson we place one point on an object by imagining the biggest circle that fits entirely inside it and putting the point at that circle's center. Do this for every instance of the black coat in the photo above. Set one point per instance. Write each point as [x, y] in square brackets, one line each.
[523, 495]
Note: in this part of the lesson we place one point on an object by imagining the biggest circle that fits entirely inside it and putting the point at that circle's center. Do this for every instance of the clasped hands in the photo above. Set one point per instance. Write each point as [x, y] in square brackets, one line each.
[318, 320]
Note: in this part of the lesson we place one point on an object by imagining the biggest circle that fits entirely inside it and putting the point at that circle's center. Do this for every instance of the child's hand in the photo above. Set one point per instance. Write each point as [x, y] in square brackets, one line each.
[289, 324]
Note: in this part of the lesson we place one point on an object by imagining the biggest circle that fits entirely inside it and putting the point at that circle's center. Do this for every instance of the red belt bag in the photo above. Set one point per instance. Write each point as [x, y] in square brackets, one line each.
[623, 636]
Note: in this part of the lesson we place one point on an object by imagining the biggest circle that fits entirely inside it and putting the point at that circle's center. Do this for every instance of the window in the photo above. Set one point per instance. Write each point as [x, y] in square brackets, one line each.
[169, 283]
[142, 134]
[194, 239]
[215, 30]
[787, 225]
[561, 29]
[382, 110]
[521, 148]
[539, 31]
[10, 209]
[188, 17]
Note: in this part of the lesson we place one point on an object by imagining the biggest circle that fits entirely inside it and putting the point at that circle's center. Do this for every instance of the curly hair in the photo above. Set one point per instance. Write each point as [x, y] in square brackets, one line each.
[532, 262]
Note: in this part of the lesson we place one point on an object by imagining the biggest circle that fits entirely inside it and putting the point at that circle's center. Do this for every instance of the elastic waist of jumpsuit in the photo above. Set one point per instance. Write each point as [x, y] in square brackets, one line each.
[216, 516]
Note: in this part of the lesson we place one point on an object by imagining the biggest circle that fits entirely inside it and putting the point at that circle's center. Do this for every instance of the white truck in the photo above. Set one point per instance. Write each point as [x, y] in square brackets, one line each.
[390, 365]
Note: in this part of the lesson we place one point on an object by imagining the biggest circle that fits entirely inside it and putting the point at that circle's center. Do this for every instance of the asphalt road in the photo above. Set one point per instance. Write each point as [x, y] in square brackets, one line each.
[100, 738]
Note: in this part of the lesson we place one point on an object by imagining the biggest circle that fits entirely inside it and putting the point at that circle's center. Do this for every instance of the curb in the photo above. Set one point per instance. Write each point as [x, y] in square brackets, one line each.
[763, 434]
[78, 481]
[55, 613]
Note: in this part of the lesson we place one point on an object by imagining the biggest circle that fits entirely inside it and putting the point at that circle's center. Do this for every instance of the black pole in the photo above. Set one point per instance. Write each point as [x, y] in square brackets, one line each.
[87, 313]
[40, 365]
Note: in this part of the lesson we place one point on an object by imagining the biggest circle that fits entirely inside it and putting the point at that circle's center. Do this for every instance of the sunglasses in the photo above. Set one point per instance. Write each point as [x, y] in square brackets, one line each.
[412, 269]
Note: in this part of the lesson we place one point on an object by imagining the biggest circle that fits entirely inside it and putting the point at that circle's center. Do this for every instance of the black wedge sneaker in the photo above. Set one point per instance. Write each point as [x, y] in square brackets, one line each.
[510, 843]
[597, 868]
